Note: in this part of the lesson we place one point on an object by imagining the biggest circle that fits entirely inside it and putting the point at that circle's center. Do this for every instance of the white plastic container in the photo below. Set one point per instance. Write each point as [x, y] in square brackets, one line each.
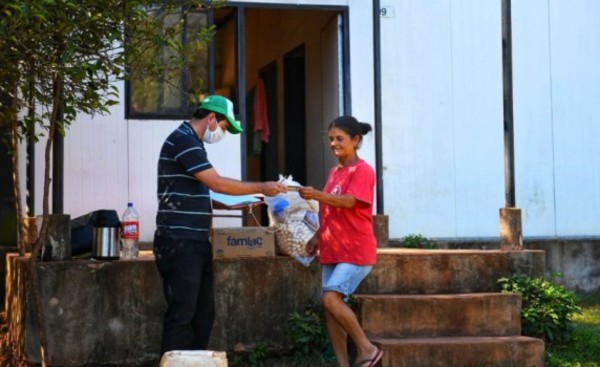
[194, 358]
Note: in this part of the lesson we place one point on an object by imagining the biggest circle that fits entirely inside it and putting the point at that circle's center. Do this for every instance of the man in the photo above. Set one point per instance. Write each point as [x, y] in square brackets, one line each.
[181, 243]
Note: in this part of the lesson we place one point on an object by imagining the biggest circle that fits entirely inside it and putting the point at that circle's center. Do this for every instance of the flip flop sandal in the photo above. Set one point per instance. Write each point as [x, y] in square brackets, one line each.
[371, 362]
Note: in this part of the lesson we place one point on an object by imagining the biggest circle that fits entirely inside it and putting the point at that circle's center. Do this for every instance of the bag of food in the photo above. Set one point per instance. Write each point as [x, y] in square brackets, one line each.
[294, 219]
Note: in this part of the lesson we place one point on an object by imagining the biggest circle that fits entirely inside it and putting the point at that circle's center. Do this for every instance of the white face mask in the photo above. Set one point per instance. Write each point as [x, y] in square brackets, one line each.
[211, 137]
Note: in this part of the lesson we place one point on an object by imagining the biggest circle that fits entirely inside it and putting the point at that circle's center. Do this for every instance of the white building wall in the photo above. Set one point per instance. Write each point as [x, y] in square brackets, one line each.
[556, 48]
[534, 135]
[442, 117]
[362, 72]
[477, 117]
[575, 75]
[110, 161]
[96, 163]
[442, 122]
[417, 147]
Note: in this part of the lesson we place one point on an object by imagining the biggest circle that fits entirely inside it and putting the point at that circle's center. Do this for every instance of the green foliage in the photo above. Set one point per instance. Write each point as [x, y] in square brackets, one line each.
[74, 50]
[418, 241]
[583, 350]
[251, 358]
[311, 347]
[61, 58]
[307, 331]
[547, 308]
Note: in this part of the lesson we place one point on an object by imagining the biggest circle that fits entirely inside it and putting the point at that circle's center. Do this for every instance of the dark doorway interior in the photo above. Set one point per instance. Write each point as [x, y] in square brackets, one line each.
[269, 166]
[295, 114]
[263, 155]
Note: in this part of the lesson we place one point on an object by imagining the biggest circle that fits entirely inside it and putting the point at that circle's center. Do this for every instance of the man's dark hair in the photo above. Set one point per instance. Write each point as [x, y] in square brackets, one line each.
[201, 113]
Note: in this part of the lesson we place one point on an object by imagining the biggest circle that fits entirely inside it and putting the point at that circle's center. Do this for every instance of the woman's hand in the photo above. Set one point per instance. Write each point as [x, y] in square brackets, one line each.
[307, 192]
[312, 246]
[344, 201]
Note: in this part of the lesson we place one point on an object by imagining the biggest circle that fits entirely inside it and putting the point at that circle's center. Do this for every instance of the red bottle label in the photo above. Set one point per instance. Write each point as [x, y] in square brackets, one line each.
[130, 230]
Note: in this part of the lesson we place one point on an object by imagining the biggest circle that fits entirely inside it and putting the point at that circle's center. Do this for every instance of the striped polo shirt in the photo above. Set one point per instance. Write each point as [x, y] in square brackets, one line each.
[184, 206]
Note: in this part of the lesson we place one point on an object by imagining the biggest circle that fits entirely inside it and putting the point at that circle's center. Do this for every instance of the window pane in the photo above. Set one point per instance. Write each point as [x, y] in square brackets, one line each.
[197, 80]
[178, 90]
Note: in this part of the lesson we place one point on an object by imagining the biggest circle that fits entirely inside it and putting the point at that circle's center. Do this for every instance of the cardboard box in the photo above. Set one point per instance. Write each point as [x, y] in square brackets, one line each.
[242, 242]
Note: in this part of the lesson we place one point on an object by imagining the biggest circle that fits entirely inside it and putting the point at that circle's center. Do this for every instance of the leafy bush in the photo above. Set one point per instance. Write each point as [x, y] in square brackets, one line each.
[418, 241]
[547, 308]
[252, 357]
[307, 331]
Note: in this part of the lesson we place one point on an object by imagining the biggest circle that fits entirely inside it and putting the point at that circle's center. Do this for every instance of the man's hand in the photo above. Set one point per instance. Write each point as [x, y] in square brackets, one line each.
[272, 188]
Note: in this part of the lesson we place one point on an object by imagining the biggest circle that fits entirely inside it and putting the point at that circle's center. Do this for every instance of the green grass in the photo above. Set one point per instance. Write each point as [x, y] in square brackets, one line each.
[584, 349]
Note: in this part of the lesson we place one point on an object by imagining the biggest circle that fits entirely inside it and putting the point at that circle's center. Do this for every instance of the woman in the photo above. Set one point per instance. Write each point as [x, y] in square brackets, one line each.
[345, 240]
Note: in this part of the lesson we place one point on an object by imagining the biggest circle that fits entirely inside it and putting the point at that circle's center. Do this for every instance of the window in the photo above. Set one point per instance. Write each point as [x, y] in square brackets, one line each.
[177, 91]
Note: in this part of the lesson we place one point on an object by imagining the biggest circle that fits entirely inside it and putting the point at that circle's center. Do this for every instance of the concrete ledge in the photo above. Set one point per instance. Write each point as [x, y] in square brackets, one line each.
[410, 271]
[110, 312]
[95, 311]
[574, 257]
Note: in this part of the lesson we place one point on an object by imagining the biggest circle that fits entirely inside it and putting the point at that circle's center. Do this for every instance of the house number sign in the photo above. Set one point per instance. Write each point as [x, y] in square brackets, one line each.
[387, 11]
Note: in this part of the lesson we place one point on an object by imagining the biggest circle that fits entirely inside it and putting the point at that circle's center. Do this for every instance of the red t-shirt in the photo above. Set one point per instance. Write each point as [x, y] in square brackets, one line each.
[347, 234]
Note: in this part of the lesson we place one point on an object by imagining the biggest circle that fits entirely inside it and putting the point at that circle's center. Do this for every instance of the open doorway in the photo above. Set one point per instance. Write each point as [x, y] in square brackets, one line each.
[295, 58]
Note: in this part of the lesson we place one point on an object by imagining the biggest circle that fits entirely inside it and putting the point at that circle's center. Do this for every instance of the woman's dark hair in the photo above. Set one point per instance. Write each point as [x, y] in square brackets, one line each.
[351, 126]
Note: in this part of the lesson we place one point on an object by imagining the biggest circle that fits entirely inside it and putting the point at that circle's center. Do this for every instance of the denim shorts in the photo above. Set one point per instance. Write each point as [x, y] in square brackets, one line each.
[343, 278]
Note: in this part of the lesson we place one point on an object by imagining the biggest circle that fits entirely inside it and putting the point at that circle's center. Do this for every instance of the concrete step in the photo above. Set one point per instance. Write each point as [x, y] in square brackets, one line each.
[415, 271]
[472, 314]
[506, 351]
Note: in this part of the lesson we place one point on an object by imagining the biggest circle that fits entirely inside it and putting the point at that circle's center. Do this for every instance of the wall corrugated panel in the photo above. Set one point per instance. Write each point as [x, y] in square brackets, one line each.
[534, 155]
[575, 75]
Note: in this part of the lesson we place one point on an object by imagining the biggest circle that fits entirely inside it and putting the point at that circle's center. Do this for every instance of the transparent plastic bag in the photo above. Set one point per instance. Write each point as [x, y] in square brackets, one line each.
[295, 221]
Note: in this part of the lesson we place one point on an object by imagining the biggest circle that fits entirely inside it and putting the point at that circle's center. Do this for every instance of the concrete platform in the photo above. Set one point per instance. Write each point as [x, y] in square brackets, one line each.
[110, 312]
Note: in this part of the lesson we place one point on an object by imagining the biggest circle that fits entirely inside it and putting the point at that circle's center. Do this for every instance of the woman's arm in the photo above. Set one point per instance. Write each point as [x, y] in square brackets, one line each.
[338, 201]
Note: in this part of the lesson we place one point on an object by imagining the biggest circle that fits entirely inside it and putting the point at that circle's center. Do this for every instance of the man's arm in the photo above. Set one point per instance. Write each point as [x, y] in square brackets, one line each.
[229, 186]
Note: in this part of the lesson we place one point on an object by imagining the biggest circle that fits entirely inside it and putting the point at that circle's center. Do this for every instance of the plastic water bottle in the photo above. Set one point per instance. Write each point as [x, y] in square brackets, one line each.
[130, 233]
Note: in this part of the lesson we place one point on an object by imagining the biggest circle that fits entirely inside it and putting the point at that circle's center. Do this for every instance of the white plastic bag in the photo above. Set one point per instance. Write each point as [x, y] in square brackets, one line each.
[294, 219]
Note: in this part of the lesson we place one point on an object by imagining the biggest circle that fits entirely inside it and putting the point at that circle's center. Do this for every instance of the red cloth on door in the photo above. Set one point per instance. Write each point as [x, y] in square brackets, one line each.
[261, 119]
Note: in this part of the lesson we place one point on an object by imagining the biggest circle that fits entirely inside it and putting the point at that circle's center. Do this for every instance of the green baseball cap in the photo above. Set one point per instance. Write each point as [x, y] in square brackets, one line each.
[224, 106]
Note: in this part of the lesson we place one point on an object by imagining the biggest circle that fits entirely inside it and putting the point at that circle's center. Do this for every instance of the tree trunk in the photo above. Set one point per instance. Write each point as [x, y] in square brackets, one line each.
[43, 240]
[14, 142]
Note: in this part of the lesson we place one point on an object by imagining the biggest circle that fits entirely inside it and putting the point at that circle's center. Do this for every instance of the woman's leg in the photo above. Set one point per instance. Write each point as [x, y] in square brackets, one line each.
[339, 281]
[337, 334]
[342, 322]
